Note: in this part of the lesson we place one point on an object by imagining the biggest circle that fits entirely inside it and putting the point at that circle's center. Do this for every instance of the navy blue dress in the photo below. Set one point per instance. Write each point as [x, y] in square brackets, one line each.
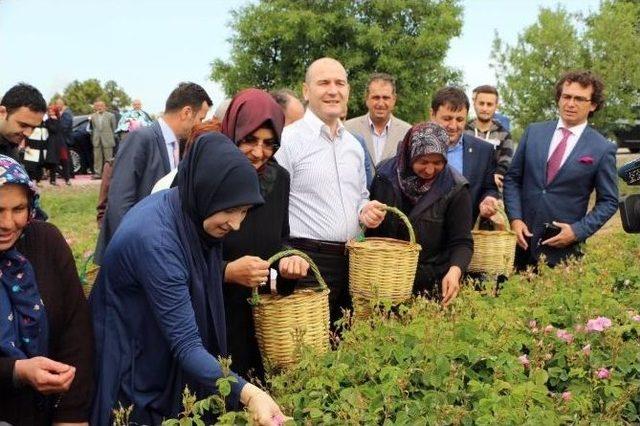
[148, 343]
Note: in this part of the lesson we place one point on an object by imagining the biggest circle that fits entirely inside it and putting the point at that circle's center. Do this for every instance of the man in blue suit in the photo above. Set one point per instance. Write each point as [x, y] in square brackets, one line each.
[474, 158]
[148, 154]
[555, 168]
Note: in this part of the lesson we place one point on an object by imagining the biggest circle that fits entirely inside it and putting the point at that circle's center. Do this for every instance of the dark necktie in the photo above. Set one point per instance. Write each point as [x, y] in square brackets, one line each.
[555, 161]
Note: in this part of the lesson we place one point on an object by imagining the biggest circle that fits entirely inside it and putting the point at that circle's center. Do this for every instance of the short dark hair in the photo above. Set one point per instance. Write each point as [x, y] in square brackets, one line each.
[584, 79]
[380, 76]
[283, 96]
[452, 96]
[23, 95]
[486, 88]
[187, 94]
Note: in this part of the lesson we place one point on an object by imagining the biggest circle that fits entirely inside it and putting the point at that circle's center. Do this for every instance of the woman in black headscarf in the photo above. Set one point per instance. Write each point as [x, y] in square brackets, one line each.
[254, 121]
[436, 199]
[158, 306]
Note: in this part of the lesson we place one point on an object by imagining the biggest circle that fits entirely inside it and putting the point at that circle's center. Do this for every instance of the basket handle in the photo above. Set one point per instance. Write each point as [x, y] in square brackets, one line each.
[503, 214]
[402, 216]
[255, 296]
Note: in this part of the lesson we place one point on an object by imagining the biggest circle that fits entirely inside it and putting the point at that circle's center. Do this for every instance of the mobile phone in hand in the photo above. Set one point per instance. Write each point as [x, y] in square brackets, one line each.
[550, 231]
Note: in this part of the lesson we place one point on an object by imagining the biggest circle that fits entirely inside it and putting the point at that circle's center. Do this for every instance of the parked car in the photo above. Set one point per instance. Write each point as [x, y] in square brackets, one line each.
[628, 135]
[81, 150]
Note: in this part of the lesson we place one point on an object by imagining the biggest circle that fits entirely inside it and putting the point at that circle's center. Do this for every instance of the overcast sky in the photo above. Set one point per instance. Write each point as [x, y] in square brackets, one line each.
[148, 46]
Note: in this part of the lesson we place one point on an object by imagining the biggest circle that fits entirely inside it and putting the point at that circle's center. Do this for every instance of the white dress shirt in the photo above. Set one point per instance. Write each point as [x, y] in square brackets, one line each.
[328, 181]
[576, 132]
[170, 140]
[379, 139]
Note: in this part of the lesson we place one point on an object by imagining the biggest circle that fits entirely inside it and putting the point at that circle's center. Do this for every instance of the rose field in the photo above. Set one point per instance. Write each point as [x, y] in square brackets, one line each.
[560, 347]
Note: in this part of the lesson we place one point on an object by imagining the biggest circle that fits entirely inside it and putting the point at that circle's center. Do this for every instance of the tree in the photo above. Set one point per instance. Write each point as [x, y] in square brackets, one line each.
[607, 44]
[80, 95]
[276, 40]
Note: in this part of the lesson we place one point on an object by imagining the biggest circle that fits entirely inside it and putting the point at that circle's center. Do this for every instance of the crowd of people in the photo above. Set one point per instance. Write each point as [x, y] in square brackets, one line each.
[190, 209]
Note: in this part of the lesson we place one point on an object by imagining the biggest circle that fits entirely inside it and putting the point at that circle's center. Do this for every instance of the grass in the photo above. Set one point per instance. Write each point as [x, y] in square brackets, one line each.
[73, 211]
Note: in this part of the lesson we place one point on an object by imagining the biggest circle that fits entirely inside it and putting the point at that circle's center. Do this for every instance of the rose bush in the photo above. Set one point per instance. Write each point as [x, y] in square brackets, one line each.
[558, 347]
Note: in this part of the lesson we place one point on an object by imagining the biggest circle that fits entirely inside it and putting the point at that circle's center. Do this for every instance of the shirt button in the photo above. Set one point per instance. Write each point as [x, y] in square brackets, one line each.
[544, 191]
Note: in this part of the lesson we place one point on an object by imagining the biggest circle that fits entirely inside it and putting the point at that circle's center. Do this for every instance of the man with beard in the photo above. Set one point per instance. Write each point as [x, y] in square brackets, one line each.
[21, 111]
[149, 154]
[486, 126]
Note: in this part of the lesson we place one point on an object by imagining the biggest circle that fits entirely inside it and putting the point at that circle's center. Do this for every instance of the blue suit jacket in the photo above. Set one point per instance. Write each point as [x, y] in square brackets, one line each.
[141, 161]
[591, 165]
[478, 167]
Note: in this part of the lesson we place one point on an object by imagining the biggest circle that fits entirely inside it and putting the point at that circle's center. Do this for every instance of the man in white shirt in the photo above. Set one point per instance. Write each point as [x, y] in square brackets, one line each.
[380, 128]
[555, 169]
[328, 196]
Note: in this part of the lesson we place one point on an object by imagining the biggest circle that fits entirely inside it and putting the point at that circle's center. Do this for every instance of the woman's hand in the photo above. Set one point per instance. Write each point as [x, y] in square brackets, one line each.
[264, 409]
[249, 271]
[293, 267]
[44, 375]
[451, 285]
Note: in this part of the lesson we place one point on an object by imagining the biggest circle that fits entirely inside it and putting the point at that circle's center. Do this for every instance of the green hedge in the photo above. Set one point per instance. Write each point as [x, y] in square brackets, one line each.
[529, 356]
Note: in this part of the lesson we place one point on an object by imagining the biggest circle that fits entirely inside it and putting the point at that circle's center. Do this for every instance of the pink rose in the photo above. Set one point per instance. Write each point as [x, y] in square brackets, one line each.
[524, 360]
[598, 324]
[564, 335]
[587, 350]
[533, 324]
[566, 396]
[603, 373]
[636, 318]
[548, 329]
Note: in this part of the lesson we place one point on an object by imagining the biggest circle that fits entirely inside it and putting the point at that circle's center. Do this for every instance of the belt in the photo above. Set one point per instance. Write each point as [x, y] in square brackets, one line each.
[318, 246]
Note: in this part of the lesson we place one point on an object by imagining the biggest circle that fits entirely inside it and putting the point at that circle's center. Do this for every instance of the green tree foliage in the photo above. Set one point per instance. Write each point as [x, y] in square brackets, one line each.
[606, 42]
[80, 95]
[276, 40]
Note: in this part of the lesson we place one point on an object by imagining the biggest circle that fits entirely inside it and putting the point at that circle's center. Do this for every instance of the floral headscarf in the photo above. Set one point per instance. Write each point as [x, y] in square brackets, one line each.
[23, 321]
[421, 139]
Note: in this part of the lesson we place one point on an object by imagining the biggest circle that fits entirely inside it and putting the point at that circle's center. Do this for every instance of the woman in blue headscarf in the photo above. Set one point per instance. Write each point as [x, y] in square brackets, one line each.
[158, 308]
[46, 342]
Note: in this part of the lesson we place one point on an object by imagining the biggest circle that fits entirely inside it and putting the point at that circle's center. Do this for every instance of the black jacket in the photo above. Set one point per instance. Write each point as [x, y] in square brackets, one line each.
[441, 220]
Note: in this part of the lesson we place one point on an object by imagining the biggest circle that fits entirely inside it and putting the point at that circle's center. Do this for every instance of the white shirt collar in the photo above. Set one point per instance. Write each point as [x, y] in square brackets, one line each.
[373, 126]
[319, 127]
[167, 133]
[575, 130]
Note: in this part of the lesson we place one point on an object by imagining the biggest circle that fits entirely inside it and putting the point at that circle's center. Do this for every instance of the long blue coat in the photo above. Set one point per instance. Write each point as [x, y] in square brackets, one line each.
[148, 343]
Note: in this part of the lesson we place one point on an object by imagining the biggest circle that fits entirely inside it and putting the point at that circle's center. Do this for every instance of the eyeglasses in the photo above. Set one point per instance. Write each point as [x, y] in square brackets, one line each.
[250, 144]
[577, 99]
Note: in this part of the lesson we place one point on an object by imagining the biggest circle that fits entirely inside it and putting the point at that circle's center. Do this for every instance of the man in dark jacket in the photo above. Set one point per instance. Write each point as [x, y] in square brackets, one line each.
[21, 111]
[148, 155]
[470, 156]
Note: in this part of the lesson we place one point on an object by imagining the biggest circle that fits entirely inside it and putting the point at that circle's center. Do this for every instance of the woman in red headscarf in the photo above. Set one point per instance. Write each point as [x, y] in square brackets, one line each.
[254, 121]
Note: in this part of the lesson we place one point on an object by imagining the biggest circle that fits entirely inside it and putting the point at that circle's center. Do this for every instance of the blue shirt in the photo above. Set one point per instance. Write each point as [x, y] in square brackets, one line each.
[454, 155]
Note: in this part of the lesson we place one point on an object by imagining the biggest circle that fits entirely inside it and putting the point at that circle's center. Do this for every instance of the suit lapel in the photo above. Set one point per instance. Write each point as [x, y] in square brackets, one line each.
[543, 148]
[467, 158]
[162, 146]
[368, 140]
[392, 139]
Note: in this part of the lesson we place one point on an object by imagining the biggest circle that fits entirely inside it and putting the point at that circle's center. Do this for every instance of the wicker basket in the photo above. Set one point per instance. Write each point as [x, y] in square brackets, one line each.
[285, 323]
[88, 275]
[382, 269]
[493, 251]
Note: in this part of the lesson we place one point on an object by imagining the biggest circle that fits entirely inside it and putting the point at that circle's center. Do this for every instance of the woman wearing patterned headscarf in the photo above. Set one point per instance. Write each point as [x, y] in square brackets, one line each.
[436, 199]
[46, 340]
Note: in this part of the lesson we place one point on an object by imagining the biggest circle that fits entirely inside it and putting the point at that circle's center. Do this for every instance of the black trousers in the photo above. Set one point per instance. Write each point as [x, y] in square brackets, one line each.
[334, 268]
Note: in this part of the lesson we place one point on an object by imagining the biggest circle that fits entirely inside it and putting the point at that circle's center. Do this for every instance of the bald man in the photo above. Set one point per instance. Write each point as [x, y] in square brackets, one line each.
[328, 197]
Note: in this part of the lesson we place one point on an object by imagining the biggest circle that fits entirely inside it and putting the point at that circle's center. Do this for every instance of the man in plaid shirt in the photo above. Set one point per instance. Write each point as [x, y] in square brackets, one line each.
[487, 127]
